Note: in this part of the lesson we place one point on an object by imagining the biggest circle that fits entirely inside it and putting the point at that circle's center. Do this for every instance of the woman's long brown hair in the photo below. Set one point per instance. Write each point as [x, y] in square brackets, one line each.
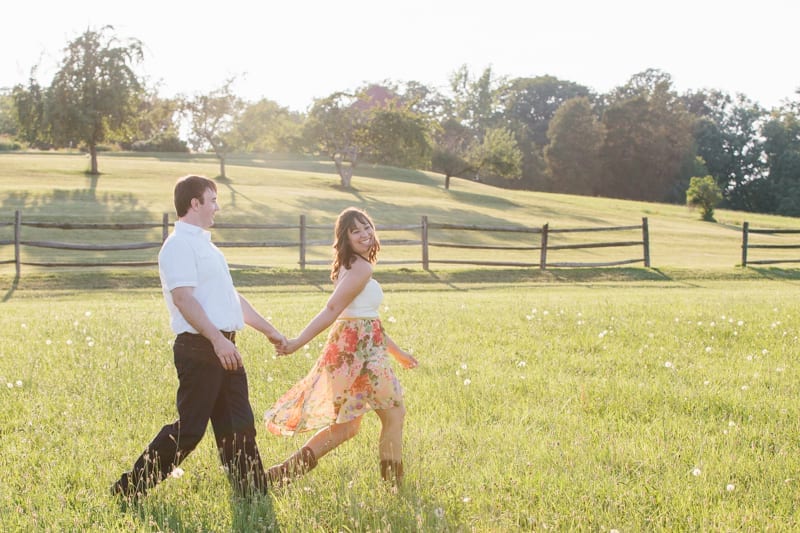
[344, 255]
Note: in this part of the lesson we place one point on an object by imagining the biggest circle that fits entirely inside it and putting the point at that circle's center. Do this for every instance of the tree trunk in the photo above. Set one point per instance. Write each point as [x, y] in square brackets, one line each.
[93, 160]
[222, 167]
[447, 182]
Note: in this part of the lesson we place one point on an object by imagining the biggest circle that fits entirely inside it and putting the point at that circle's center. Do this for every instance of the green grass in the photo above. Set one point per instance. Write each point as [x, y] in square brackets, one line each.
[597, 399]
[566, 406]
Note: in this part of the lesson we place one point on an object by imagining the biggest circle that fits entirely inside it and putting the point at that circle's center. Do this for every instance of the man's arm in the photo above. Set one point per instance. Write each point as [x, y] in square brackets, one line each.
[254, 319]
[192, 311]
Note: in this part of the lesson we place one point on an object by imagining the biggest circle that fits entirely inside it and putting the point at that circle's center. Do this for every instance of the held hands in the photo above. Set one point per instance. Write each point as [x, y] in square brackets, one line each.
[291, 346]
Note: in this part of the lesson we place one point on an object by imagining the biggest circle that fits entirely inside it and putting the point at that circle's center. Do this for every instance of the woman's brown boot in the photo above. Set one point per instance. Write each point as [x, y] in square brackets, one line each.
[392, 471]
[299, 463]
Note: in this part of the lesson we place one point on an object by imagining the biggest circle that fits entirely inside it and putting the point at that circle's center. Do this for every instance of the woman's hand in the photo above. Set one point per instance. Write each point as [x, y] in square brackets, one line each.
[289, 347]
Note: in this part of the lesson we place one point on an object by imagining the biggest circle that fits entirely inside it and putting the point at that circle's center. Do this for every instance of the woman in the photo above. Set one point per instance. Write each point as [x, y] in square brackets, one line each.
[353, 374]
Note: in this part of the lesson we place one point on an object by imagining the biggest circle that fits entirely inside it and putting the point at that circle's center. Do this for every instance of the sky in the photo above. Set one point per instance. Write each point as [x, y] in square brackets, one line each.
[292, 52]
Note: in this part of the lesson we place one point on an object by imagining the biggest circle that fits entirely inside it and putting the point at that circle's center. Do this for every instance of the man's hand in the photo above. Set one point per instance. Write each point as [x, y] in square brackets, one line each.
[228, 355]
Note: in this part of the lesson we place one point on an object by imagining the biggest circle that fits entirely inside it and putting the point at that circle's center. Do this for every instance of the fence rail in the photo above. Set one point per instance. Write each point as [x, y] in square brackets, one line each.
[747, 245]
[543, 245]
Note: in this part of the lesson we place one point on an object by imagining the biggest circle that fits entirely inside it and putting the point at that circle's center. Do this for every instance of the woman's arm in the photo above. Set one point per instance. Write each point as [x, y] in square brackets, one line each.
[405, 359]
[348, 287]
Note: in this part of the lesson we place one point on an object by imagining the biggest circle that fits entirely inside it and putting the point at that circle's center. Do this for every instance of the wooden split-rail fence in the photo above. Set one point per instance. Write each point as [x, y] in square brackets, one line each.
[538, 244]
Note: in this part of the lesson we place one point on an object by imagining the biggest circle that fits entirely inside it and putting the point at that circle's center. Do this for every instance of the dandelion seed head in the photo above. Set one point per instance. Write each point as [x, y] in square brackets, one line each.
[696, 472]
[706, 383]
[392, 320]
[745, 387]
[708, 349]
[522, 364]
[48, 342]
[69, 341]
[668, 364]
[147, 343]
[764, 351]
[10, 385]
[740, 323]
[87, 314]
[463, 366]
[24, 326]
[466, 499]
[467, 381]
[176, 472]
[730, 487]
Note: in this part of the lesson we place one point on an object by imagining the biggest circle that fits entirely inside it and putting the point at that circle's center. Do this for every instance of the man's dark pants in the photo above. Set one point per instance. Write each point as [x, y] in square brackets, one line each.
[206, 391]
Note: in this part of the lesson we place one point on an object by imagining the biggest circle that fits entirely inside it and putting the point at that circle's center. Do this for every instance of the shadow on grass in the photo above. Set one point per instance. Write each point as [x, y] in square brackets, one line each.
[318, 279]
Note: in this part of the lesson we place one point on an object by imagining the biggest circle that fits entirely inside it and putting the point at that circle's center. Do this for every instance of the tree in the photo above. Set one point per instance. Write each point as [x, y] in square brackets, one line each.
[573, 154]
[727, 136]
[452, 144]
[528, 105]
[94, 91]
[29, 105]
[705, 194]
[648, 143]
[398, 137]
[8, 117]
[782, 148]
[156, 128]
[334, 126]
[212, 118]
[265, 126]
[497, 155]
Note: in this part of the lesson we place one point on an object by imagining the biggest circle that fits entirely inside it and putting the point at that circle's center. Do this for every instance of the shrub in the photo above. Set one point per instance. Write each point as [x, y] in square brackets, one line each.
[704, 193]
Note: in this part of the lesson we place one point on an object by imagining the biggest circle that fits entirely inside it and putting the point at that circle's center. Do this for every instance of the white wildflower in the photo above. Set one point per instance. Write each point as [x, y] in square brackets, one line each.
[696, 472]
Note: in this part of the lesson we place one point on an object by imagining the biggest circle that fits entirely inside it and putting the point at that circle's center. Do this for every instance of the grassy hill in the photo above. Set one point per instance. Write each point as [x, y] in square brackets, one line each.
[137, 188]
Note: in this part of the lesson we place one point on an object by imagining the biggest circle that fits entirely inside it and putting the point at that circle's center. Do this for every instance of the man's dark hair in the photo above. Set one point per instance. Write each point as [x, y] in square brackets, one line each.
[188, 188]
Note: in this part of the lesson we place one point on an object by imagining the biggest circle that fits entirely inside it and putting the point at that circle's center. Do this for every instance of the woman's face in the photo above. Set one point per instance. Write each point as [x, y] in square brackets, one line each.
[361, 237]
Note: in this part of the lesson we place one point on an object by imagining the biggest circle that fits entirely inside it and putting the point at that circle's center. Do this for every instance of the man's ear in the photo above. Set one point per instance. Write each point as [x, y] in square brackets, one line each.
[194, 203]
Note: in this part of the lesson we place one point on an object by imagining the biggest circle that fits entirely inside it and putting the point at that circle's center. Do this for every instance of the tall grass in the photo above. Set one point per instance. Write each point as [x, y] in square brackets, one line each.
[636, 406]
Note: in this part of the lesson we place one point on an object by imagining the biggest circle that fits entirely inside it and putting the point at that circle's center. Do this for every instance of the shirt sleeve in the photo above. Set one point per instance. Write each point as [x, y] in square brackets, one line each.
[177, 265]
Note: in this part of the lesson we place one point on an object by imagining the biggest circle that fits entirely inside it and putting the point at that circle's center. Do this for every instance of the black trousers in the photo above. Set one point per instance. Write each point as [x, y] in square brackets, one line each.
[206, 391]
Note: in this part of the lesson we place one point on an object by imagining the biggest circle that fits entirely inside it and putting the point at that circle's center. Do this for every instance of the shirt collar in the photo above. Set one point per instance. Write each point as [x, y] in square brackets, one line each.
[191, 229]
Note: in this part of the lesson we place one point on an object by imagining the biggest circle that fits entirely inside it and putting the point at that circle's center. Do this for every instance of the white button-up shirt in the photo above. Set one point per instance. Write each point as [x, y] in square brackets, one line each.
[188, 258]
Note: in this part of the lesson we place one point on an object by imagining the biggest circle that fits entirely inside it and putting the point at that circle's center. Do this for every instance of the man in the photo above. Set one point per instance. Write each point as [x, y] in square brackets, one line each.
[205, 311]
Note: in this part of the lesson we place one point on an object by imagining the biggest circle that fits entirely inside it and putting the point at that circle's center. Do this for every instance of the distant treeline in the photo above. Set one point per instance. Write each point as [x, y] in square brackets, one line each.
[640, 141]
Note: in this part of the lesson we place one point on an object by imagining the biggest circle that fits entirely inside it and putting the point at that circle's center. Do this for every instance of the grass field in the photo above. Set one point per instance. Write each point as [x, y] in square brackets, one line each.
[619, 399]
[54, 187]
[635, 406]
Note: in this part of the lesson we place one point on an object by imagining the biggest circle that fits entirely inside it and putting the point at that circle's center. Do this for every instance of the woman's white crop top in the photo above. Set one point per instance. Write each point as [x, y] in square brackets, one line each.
[367, 304]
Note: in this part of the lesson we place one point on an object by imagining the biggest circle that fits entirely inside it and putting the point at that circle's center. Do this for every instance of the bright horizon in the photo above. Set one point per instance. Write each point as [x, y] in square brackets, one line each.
[292, 53]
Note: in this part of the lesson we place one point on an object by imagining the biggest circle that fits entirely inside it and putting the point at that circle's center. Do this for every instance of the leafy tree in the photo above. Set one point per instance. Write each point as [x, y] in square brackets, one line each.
[397, 137]
[705, 194]
[265, 126]
[497, 155]
[29, 104]
[474, 103]
[212, 118]
[648, 140]
[156, 128]
[573, 154]
[452, 144]
[8, 116]
[94, 91]
[727, 136]
[782, 148]
[334, 126]
[528, 105]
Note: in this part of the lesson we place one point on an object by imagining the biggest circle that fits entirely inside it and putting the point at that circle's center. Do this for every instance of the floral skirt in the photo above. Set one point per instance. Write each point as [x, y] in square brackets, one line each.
[352, 376]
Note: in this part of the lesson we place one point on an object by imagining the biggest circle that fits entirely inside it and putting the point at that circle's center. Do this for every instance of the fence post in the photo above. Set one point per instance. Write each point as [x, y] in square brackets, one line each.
[543, 250]
[302, 242]
[164, 227]
[17, 226]
[425, 242]
[646, 241]
[745, 229]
